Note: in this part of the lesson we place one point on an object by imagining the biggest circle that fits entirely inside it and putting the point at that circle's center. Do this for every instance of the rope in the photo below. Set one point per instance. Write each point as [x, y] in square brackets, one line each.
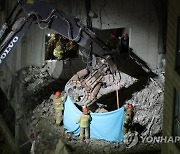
[117, 94]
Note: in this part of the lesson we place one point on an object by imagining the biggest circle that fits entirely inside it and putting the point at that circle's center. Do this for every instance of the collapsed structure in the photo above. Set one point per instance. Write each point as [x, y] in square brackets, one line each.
[87, 87]
[38, 119]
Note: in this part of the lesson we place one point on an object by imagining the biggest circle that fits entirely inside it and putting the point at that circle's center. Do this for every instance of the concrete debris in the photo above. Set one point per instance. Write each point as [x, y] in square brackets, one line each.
[31, 79]
[39, 127]
[30, 95]
[46, 135]
[126, 80]
[148, 105]
[30, 86]
[27, 89]
[49, 136]
[35, 77]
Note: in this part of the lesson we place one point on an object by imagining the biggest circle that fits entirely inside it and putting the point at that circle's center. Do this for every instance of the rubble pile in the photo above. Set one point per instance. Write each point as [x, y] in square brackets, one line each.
[30, 86]
[46, 136]
[126, 80]
[32, 78]
[31, 90]
[101, 146]
[148, 106]
[36, 78]
[41, 129]
[29, 81]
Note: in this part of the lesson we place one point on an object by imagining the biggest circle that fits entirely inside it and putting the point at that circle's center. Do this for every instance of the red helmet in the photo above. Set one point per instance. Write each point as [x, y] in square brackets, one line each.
[58, 93]
[130, 106]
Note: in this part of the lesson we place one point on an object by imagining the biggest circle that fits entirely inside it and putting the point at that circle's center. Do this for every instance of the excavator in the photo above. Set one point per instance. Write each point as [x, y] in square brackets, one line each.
[85, 86]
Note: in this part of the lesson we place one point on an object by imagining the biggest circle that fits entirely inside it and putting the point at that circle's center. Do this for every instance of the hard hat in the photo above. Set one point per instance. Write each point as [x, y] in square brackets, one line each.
[58, 93]
[130, 106]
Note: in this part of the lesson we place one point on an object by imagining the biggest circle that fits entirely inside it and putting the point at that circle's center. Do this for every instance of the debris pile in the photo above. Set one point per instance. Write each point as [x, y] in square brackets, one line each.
[148, 106]
[30, 80]
[30, 86]
[126, 80]
[46, 136]
[31, 91]
[33, 78]
[36, 78]
[41, 128]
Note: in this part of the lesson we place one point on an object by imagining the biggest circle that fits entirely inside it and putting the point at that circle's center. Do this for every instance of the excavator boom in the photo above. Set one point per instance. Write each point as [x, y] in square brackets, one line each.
[106, 62]
[46, 16]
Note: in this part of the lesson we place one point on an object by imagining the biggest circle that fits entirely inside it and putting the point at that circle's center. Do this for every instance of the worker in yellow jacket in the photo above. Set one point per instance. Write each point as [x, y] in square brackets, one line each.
[58, 52]
[58, 102]
[60, 48]
[84, 121]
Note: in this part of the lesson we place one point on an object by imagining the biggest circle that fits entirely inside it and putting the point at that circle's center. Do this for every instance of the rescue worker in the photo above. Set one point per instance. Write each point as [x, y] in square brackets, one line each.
[128, 119]
[84, 121]
[125, 43]
[112, 42]
[59, 49]
[71, 49]
[51, 44]
[58, 102]
[58, 52]
[71, 45]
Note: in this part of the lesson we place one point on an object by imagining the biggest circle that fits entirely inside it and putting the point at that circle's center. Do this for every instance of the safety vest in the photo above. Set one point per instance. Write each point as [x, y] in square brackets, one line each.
[84, 121]
[58, 52]
[58, 103]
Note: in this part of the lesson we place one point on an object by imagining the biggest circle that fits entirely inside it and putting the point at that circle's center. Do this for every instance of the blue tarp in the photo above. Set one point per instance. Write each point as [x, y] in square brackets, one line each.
[107, 126]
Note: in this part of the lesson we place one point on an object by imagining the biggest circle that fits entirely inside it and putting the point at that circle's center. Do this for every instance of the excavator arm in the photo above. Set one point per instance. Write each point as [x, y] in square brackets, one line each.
[11, 33]
[89, 84]
[44, 14]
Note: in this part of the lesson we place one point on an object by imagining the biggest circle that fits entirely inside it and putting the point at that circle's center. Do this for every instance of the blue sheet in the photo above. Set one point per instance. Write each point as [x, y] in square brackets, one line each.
[107, 126]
